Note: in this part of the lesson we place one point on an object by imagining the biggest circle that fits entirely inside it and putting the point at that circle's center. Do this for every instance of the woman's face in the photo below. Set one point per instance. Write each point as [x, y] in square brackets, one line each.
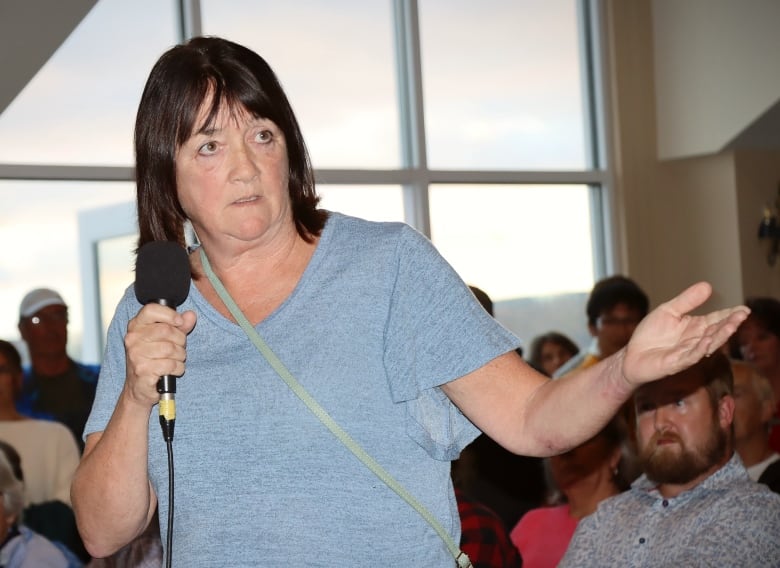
[232, 180]
[759, 347]
[554, 355]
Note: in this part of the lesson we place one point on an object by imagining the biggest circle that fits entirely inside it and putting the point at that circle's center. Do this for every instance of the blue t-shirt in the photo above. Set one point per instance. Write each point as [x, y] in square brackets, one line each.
[377, 322]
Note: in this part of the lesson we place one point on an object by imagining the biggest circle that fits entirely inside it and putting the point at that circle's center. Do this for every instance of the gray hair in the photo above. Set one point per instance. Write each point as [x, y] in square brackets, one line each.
[12, 489]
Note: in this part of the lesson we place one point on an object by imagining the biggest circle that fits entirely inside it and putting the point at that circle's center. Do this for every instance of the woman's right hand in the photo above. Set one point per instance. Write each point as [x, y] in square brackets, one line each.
[155, 345]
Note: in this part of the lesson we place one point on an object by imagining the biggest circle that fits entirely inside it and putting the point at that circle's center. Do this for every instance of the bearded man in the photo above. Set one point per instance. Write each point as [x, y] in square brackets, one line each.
[695, 504]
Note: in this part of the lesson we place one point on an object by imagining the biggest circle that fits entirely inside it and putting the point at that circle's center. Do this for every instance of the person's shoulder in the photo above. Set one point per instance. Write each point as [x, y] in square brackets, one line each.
[44, 430]
[750, 500]
[351, 225]
[346, 232]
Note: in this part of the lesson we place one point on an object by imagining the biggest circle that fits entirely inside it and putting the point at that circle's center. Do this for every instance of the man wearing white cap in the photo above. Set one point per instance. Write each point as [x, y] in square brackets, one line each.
[55, 386]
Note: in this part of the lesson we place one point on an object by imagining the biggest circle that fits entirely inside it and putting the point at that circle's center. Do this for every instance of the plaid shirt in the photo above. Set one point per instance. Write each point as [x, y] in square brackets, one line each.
[484, 537]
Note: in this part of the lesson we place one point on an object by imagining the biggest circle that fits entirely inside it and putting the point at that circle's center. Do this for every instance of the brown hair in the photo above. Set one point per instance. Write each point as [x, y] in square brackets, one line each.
[180, 82]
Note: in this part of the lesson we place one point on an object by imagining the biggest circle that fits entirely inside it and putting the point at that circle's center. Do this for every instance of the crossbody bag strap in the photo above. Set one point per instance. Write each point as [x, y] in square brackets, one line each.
[461, 559]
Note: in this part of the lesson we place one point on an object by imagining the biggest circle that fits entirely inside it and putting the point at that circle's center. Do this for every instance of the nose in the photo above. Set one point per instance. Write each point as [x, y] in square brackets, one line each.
[661, 416]
[242, 167]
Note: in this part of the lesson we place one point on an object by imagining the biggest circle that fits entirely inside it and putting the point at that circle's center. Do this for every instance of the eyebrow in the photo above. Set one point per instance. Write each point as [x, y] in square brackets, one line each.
[208, 130]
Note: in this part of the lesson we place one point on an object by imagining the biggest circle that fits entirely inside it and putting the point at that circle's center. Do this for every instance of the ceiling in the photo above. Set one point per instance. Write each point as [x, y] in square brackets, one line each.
[30, 32]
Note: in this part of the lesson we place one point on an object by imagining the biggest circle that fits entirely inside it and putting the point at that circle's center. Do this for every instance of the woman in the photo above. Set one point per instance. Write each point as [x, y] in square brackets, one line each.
[550, 351]
[578, 481]
[367, 317]
[758, 339]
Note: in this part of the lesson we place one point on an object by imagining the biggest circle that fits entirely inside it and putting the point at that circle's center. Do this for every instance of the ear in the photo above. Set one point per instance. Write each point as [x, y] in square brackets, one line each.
[593, 330]
[726, 411]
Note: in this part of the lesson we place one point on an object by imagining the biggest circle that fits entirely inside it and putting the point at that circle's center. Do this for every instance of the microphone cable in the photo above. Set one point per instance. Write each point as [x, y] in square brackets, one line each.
[166, 386]
[169, 535]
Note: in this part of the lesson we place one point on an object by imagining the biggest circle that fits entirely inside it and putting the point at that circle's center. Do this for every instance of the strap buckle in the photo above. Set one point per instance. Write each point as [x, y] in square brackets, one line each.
[462, 560]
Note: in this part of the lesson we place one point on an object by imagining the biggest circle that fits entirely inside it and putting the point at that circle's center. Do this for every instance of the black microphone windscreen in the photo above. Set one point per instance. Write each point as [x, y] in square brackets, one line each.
[162, 272]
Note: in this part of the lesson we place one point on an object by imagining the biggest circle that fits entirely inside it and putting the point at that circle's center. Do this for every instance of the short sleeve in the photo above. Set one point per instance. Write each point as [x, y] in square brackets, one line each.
[437, 331]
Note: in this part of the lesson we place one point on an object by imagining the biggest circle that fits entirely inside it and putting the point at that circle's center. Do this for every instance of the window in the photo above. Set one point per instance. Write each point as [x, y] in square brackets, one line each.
[474, 122]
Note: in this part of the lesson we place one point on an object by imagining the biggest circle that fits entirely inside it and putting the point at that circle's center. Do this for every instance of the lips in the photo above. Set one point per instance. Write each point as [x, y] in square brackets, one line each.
[665, 439]
[247, 199]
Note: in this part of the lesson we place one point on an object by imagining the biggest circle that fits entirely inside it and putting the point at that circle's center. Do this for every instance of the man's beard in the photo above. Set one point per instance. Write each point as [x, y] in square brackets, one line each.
[679, 465]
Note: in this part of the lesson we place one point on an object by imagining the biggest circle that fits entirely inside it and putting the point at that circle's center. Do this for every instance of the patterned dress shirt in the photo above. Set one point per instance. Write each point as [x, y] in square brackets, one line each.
[726, 520]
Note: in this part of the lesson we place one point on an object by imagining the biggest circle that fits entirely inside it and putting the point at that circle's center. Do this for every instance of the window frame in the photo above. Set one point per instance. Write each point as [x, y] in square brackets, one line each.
[413, 176]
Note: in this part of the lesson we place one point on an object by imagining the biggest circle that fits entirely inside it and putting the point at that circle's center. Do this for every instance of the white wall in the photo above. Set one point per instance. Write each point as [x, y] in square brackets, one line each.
[715, 71]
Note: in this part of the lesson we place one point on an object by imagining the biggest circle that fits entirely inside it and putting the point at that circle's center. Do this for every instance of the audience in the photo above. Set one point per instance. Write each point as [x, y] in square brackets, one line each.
[550, 351]
[758, 339]
[50, 457]
[21, 547]
[615, 307]
[55, 387]
[754, 405]
[578, 481]
[48, 449]
[695, 504]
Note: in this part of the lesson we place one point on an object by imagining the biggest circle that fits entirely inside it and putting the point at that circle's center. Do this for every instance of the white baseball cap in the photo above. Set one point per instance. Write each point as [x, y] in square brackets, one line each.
[37, 300]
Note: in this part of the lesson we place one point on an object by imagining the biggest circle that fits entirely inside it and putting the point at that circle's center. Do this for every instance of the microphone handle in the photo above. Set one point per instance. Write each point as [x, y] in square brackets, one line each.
[166, 386]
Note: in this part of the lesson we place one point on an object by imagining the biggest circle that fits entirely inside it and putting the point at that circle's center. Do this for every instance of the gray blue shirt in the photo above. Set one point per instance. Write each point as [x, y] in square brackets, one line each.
[726, 520]
[376, 324]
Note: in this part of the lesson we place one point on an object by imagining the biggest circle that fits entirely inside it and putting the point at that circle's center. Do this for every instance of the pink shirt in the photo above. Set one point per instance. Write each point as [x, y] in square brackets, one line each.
[542, 536]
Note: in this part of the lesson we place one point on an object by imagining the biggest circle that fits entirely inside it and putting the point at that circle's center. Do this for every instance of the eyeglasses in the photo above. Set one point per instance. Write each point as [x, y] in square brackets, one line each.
[46, 318]
[609, 321]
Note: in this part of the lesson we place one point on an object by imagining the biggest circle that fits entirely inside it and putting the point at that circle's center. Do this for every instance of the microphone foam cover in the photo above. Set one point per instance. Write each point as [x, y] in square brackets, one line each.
[162, 272]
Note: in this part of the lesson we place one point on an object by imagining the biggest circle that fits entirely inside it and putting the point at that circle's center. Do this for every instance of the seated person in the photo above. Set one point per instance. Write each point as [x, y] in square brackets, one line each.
[615, 307]
[758, 342]
[49, 457]
[578, 481]
[754, 407]
[549, 352]
[695, 504]
[48, 450]
[55, 386]
[21, 547]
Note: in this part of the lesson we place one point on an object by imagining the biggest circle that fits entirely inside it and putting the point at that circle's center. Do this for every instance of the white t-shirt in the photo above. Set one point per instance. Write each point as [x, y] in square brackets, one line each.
[49, 457]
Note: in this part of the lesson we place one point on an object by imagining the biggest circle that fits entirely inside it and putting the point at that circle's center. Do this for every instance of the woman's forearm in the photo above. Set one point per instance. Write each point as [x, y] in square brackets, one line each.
[111, 494]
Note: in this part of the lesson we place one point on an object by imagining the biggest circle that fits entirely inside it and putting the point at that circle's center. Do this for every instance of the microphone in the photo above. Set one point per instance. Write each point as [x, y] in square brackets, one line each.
[162, 276]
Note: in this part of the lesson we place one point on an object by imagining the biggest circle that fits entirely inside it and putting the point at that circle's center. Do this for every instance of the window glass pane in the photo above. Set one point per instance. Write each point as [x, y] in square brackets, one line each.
[115, 266]
[502, 84]
[528, 247]
[376, 202]
[335, 60]
[80, 107]
[42, 218]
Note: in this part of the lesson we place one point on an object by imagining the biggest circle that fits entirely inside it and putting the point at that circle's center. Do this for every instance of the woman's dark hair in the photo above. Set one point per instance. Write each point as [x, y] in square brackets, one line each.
[180, 82]
[535, 357]
[10, 352]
